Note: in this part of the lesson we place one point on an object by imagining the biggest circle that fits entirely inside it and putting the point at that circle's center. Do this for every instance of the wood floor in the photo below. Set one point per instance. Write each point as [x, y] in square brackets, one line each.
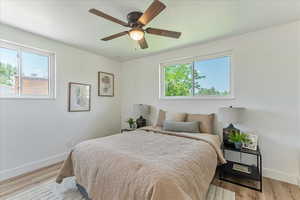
[272, 189]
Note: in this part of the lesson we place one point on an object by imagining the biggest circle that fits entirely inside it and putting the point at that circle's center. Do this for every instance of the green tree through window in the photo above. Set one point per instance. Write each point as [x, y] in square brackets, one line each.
[200, 78]
[7, 74]
[178, 80]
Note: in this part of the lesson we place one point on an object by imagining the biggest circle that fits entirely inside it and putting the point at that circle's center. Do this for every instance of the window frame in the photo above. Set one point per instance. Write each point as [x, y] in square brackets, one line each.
[162, 65]
[51, 69]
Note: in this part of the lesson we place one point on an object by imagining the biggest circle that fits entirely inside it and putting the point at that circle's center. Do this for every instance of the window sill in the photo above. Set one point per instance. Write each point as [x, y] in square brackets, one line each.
[27, 98]
[197, 98]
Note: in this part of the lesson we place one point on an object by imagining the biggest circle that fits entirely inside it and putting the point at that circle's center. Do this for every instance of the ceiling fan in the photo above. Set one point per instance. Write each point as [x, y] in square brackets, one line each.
[136, 21]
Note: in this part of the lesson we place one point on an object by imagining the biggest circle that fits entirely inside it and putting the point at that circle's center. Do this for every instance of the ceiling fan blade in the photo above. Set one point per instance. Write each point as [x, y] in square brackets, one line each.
[154, 9]
[115, 36]
[108, 17]
[162, 32]
[143, 43]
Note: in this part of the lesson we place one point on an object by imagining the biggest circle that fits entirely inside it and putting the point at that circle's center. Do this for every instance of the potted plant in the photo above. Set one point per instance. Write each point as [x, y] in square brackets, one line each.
[131, 122]
[238, 138]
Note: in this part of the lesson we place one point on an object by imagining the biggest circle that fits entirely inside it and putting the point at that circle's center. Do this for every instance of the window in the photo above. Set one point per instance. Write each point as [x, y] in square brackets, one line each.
[199, 77]
[26, 72]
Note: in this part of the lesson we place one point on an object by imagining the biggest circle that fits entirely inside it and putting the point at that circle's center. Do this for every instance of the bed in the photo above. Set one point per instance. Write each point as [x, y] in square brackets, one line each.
[148, 163]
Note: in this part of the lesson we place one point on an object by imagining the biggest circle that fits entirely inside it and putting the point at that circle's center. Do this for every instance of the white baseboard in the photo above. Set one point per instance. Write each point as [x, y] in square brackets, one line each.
[281, 176]
[29, 167]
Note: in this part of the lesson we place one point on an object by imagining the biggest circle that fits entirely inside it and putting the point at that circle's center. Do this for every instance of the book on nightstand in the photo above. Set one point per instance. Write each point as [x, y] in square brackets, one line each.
[241, 168]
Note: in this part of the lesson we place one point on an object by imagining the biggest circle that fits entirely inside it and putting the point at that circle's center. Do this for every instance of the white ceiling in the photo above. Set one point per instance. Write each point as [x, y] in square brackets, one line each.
[199, 21]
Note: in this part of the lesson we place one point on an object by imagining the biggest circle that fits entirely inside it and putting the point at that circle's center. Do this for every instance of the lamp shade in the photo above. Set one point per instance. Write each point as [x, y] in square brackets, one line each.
[231, 115]
[141, 109]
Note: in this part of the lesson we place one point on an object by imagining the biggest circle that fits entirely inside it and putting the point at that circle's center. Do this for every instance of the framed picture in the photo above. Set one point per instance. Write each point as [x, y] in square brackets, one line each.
[105, 84]
[252, 145]
[79, 97]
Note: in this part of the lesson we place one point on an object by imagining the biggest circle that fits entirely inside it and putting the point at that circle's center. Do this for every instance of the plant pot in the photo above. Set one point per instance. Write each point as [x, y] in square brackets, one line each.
[131, 125]
[238, 145]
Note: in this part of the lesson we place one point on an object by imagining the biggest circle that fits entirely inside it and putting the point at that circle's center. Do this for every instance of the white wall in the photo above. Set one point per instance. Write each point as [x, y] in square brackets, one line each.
[35, 133]
[266, 83]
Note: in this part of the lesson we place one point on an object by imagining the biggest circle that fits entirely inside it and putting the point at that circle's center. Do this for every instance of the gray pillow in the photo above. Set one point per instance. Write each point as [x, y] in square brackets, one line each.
[188, 127]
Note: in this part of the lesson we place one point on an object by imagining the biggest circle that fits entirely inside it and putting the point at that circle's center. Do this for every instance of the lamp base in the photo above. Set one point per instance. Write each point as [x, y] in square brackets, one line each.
[140, 122]
[226, 132]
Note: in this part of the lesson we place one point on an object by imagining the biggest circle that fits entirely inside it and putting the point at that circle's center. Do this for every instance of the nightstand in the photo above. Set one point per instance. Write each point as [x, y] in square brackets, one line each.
[238, 170]
[127, 129]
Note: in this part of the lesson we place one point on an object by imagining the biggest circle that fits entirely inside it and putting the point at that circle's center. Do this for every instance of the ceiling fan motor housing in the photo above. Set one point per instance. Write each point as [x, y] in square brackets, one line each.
[133, 17]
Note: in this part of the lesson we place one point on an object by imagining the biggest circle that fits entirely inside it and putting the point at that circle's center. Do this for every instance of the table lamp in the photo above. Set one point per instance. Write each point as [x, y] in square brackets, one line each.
[141, 110]
[230, 115]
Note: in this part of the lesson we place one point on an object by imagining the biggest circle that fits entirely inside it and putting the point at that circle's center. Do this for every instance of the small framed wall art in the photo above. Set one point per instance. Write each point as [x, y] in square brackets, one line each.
[79, 97]
[105, 84]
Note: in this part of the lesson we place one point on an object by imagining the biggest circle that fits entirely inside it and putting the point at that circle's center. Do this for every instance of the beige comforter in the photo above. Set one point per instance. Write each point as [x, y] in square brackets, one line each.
[145, 165]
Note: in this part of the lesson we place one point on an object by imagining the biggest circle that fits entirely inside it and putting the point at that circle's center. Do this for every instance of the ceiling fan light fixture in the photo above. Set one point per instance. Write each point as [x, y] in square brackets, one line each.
[136, 34]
